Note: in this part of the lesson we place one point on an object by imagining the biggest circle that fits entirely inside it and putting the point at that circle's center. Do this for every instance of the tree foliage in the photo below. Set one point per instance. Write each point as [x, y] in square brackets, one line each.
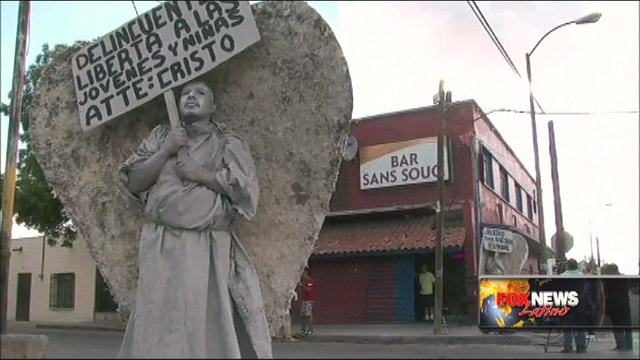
[36, 205]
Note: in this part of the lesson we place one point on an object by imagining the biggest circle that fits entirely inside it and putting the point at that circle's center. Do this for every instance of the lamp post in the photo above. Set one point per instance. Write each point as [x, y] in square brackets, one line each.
[589, 19]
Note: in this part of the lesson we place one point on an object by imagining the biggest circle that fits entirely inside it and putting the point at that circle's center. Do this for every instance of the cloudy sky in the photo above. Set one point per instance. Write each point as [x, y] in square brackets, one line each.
[398, 51]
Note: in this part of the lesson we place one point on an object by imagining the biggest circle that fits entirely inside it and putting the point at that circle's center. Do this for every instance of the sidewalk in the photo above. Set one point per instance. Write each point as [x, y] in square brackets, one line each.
[368, 333]
[420, 333]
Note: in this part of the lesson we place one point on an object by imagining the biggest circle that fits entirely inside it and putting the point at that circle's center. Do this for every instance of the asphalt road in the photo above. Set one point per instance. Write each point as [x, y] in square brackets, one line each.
[105, 344]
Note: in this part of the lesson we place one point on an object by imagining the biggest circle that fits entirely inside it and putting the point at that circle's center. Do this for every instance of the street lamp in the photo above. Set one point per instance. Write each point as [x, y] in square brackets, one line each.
[589, 19]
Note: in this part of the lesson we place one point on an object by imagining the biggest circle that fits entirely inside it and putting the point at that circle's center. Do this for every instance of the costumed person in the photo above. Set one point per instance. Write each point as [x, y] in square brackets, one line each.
[198, 293]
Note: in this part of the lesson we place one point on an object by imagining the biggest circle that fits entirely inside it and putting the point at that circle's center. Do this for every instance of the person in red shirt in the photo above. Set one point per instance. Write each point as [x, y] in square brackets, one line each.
[306, 307]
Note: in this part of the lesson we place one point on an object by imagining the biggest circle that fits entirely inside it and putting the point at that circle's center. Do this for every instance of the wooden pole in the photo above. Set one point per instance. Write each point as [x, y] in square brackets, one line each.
[561, 246]
[174, 116]
[543, 268]
[9, 187]
[172, 109]
[442, 109]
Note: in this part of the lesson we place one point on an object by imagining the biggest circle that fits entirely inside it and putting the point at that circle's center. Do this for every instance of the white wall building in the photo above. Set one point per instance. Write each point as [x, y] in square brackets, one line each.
[56, 284]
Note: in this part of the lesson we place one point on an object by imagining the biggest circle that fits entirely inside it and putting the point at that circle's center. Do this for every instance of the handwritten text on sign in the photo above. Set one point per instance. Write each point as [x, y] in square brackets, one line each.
[162, 48]
[497, 240]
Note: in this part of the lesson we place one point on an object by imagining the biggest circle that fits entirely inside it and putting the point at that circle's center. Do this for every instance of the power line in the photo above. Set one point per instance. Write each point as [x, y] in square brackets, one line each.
[567, 112]
[494, 38]
[557, 113]
[134, 7]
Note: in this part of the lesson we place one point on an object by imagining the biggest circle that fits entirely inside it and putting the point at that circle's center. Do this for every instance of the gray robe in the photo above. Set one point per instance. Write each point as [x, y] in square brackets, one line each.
[198, 293]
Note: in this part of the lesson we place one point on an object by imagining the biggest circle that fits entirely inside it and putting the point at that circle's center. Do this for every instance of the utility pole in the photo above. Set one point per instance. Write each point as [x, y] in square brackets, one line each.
[9, 188]
[588, 19]
[598, 249]
[475, 150]
[591, 239]
[561, 246]
[534, 130]
[443, 102]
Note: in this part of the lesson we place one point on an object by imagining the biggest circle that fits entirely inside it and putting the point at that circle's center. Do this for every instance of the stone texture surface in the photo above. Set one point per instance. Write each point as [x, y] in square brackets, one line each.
[17, 346]
[289, 96]
[506, 263]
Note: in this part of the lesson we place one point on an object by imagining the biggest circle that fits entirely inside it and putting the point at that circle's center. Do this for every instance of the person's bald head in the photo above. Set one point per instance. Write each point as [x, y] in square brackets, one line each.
[197, 102]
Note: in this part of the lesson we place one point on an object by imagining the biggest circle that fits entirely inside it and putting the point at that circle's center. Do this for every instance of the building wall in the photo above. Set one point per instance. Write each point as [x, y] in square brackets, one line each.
[377, 289]
[56, 260]
[340, 284]
[403, 126]
[362, 289]
[465, 119]
[531, 267]
[492, 199]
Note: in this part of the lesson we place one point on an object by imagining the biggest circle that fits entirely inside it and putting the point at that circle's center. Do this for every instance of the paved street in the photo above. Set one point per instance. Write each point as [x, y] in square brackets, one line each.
[64, 343]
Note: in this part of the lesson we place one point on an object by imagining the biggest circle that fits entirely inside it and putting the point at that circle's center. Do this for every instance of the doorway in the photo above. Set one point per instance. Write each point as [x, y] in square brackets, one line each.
[23, 303]
[454, 286]
[422, 259]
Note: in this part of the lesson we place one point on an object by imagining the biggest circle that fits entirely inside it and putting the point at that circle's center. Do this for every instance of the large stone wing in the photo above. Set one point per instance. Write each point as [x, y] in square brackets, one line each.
[288, 96]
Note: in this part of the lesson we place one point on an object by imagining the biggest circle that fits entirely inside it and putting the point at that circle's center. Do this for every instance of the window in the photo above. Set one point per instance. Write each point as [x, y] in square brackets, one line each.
[500, 214]
[534, 202]
[504, 183]
[487, 163]
[529, 207]
[514, 220]
[62, 291]
[527, 229]
[519, 198]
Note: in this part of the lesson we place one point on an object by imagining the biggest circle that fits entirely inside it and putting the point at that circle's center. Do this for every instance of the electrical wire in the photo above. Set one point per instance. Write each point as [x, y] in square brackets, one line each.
[494, 38]
[135, 8]
[557, 113]
[565, 112]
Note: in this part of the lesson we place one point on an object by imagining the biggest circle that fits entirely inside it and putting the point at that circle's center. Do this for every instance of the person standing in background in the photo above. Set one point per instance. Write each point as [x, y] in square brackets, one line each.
[579, 335]
[618, 307]
[426, 280]
[308, 285]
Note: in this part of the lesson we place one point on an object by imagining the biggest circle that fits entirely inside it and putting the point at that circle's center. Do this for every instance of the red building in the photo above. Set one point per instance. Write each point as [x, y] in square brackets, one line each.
[381, 226]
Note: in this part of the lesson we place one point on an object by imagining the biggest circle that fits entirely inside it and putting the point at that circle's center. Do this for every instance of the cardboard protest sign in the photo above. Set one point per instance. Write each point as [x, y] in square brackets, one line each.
[165, 47]
[498, 240]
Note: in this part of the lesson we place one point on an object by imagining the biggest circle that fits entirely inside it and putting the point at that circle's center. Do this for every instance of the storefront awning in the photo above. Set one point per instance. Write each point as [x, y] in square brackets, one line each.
[412, 233]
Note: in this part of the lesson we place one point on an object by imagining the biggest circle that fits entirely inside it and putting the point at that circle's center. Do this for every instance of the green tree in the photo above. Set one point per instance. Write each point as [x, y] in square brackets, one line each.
[36, 206]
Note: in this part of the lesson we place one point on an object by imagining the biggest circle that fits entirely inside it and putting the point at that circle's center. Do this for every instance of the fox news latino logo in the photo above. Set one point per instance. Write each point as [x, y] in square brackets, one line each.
[540, 303]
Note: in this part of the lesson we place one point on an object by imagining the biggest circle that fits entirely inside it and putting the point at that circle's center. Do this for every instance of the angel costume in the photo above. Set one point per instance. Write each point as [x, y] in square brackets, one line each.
[198, 294]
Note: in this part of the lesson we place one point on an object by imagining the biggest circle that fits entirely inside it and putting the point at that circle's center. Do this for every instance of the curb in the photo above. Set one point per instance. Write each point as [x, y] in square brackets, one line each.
[81, 327]
[431, 340]
[370, 339]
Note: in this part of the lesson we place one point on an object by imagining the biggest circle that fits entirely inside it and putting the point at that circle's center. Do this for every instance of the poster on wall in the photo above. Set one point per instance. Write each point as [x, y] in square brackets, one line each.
[401, 163]
[503, 251]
